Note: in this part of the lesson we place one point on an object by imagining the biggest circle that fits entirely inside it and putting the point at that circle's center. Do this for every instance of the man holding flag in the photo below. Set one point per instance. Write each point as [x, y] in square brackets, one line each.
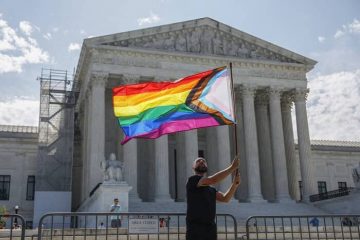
[152, 109]
[201, 199]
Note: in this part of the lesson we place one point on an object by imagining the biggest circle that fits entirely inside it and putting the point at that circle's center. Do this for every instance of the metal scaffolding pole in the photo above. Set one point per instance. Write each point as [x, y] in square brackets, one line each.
[58, 95]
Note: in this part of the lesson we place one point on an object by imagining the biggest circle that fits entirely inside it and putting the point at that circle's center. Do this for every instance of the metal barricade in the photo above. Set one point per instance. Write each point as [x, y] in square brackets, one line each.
[12, 226]
[330, 227]
[119, 226]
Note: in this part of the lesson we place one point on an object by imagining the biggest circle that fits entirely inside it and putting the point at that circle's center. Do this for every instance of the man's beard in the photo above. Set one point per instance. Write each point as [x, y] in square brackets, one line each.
[201, 169]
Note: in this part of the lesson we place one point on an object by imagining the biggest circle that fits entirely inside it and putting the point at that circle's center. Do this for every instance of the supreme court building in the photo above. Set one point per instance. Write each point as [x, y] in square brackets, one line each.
[268, 80]
[270, 89]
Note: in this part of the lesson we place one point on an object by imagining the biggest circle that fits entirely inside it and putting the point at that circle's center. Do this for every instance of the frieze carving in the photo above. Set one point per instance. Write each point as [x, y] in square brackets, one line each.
[204, 40]
[255, 69]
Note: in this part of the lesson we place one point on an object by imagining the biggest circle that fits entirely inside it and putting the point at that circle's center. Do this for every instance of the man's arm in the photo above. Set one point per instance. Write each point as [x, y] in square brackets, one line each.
[217, 177]
[221, 197]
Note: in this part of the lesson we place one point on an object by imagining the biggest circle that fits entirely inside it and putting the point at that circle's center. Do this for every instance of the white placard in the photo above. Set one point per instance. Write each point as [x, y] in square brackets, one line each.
[143, 224]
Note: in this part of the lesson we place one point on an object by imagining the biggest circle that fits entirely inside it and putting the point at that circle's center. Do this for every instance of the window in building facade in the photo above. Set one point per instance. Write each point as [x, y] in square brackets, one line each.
[322, 187]
[342, 185]
[4, 187]
[30, 189]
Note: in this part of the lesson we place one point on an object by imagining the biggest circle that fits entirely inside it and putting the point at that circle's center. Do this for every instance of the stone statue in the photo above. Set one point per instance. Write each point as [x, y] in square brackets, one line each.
[112, 169]
[169, 43]
[356, 177]
[206, 44]
[180, 43]
[218, 45]
[194, 41]
[243, 51]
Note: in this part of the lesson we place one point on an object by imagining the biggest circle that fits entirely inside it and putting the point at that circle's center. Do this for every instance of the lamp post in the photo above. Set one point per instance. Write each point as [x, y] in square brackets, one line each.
[16, 208]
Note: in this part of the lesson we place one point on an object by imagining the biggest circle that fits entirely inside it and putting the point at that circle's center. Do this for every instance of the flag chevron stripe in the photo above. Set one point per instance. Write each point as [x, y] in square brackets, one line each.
[153, 113]
[207, 91]
[193, 102]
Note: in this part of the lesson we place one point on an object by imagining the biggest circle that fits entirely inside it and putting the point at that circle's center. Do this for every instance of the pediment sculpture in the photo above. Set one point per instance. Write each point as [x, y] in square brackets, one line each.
[202, 40]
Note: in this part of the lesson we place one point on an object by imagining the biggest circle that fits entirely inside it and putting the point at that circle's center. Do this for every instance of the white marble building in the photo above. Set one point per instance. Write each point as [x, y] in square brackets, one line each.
[333, 161]
[270, 84]
[268, 80]
[18, 158]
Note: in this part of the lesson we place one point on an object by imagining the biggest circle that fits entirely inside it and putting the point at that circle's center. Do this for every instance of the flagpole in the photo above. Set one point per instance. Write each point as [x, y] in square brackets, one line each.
[234, 109]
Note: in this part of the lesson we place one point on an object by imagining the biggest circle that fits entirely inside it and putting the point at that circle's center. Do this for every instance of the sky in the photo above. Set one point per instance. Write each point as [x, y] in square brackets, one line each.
[40, 34]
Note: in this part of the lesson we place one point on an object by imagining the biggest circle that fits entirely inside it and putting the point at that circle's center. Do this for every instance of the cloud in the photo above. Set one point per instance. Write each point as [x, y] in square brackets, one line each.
[18, 49]
[351, 28]
[333, 106]
[354, 27]
[321, 39]
[19, 111]
[153, 18]
[47, 36]
[74, 47]
[339, 33]
[26, 27]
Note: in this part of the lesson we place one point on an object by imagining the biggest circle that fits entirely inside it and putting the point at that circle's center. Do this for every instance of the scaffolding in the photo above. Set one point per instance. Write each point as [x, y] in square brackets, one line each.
[58, 95]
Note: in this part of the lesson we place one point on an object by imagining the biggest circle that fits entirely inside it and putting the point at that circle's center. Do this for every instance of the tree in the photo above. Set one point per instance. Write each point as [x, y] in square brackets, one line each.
[3, 216]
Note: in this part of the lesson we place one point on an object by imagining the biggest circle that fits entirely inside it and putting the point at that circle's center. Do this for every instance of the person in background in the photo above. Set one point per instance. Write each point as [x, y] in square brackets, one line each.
[115, 219]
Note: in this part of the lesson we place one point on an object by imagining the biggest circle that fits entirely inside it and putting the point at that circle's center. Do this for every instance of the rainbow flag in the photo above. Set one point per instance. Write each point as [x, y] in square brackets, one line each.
[152, 109]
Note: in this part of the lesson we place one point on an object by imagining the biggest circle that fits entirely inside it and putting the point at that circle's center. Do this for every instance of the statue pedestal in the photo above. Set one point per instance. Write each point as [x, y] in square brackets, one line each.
[104, 196]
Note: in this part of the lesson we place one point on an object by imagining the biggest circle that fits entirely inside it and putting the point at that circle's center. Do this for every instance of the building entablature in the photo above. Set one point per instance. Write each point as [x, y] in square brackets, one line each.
[176, 50]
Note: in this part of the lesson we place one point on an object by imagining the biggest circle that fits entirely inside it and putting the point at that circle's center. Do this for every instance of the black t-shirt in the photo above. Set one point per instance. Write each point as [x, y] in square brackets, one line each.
[201, 202]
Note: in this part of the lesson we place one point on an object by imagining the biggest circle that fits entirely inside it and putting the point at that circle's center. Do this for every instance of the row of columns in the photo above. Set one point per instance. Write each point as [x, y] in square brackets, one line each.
[267, 137]
[275, 146]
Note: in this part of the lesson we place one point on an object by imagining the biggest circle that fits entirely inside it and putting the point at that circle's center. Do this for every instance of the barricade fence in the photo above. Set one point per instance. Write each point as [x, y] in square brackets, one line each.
[329, 227]
[127, 226]
[12, 226]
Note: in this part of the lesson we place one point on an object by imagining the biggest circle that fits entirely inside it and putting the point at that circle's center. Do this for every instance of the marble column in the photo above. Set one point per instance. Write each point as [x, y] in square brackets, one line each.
[264, 143]
[307, 174]
[291, 160]
[278, 147]
[186, 153]
[130, 156]
[242, 191]
[223, 154]
[85, 141]
[96, 128]
[162, 189]
[251, 146]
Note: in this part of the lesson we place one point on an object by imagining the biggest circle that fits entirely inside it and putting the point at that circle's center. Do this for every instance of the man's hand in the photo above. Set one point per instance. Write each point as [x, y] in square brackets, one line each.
[235, 163]
[236, 179]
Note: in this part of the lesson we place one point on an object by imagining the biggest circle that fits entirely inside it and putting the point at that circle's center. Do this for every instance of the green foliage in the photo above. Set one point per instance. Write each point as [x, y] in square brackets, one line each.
[3, 217]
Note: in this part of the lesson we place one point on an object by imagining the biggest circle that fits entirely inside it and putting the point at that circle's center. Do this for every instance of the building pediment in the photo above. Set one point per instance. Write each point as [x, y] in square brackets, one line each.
[202, 36]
